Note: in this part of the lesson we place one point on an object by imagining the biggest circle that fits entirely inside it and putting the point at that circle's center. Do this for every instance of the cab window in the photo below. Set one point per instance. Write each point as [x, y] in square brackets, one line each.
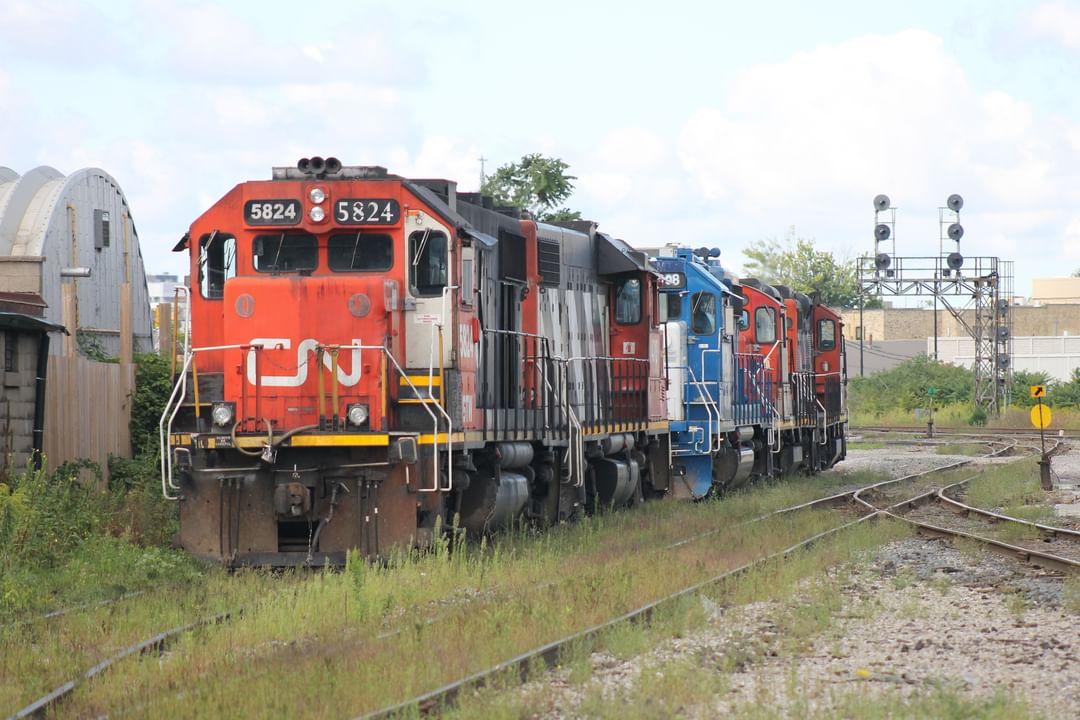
[703, 313]
[826, 334]
[628, 302]
[427, 263]
[765, 325]
[360, 252]
[217, 263]
[285, 252]
[670, 306]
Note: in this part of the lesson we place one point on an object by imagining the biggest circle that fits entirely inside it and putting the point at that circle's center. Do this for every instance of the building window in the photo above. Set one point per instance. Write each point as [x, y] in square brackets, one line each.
[11, 351]
[826, 334]
[285, 252]
[360, 252]
[217, 263]
[703, 313]
[765, 325]
[427, 263]
[628, 302]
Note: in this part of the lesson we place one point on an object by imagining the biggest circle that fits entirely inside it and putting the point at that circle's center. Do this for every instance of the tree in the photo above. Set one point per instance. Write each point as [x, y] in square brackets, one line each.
[536, 183]
[796, 263]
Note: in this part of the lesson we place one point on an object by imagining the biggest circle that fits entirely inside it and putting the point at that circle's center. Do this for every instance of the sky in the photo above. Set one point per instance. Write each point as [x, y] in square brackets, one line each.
[721, 124]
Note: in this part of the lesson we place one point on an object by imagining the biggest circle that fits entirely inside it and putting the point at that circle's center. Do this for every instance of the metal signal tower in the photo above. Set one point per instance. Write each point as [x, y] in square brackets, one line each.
[977, 291]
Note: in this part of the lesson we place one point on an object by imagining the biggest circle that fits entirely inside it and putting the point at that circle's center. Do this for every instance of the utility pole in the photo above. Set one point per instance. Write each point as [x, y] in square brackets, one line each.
[862, 333]
[482, 176]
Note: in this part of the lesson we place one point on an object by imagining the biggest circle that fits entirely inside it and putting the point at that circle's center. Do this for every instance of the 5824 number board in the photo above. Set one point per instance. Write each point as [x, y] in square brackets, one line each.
[272, 212]
[367, 211]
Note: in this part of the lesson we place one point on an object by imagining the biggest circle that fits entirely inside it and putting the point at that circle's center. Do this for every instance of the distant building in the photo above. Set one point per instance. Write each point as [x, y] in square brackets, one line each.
[1055, 291]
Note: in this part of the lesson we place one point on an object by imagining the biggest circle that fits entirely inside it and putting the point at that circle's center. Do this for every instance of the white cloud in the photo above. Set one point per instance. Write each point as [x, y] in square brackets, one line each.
[812, 139]
[1058, 22]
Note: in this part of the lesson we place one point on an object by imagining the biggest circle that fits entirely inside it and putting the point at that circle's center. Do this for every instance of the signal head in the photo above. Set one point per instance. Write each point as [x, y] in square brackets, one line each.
[955, 202]
[955, 261]
[882, 232]
[956, 231]
[881, 202]
[882, 261]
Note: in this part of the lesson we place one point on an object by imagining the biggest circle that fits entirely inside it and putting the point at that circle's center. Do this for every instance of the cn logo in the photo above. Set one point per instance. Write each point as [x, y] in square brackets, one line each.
[305, 353]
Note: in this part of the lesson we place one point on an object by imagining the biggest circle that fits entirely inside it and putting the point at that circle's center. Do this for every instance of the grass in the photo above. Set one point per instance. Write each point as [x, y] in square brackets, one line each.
[685, 686]
[971, 449]
[865, 445]
[1010, 485]
[960, 415]
[324, 640]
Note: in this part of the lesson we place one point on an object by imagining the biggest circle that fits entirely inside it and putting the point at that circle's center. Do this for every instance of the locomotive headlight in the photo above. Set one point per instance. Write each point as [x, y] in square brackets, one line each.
[317, 195]
[222, 413]
[317, 214]
[358, 414]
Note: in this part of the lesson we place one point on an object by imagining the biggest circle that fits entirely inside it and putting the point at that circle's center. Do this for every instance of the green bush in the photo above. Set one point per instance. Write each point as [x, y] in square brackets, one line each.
[153, 383]
[906, 387]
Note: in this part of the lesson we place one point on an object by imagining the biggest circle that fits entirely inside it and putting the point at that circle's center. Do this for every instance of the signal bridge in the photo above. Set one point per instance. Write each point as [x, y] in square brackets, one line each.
[975, 290]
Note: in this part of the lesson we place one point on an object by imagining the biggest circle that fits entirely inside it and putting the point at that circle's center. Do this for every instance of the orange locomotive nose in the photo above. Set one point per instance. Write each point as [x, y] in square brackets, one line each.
[313, 348]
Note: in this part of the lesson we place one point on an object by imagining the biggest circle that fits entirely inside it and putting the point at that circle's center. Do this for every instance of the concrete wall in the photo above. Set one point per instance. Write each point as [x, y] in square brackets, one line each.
[17, 401]
[880, 355]
[1055, 356]
[918, 323]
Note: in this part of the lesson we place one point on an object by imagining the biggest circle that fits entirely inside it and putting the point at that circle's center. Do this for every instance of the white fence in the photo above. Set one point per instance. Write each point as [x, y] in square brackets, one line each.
[1057, 356]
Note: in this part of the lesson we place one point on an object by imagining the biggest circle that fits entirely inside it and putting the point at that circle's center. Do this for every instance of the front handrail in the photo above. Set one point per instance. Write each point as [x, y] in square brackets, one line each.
[175, 401]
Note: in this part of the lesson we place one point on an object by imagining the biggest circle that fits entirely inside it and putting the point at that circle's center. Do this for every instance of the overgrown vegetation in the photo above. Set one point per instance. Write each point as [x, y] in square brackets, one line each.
[892, 396]
[70, 536]
[337, 643]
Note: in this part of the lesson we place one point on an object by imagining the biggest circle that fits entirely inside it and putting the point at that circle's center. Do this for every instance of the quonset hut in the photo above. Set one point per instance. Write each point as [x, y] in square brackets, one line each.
[72, 291]
[71, 242]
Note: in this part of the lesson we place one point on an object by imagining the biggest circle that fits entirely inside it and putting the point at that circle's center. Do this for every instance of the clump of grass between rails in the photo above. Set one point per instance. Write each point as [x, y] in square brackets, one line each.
[970, 449]
[686, 685]
[345, 643]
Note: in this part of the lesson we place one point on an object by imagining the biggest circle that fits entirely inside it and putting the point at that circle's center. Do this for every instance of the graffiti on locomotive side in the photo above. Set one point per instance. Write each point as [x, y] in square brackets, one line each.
[305, 353]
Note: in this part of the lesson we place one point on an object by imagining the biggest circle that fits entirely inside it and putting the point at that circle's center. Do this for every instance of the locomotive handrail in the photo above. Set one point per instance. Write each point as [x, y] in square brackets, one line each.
[165, 428]
[710, 406]
[722, 385]
[435, 434]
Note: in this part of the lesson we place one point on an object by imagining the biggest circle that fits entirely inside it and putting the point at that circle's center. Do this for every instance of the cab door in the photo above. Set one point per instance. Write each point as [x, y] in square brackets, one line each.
[429, 256]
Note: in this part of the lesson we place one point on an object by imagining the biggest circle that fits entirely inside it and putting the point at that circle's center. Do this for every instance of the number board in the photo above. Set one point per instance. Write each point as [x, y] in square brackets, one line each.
[367, 211]
[672, 280]
[272, 212]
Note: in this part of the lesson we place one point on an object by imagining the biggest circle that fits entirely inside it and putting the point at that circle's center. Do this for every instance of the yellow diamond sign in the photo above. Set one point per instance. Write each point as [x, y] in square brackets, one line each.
[1040, 416]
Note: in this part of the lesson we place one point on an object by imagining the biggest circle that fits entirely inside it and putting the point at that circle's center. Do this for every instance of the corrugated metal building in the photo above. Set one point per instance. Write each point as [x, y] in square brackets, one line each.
[70, 242]
[70, 273]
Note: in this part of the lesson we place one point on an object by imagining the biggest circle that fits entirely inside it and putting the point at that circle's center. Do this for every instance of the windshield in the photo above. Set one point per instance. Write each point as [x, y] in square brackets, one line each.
[285, 252]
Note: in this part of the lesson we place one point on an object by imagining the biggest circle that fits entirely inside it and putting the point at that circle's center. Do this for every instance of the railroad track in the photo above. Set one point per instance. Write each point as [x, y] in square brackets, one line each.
[1059, 548]
[549, 653]
[1066, 433]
